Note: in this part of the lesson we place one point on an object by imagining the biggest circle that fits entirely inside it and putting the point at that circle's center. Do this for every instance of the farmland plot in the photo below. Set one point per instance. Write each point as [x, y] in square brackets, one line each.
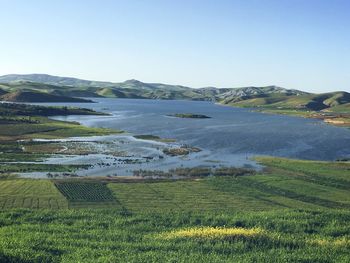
[27, 193]
[87, 194]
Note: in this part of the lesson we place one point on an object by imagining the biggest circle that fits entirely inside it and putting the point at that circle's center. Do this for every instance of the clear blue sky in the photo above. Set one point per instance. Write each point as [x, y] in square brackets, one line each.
[301, 44]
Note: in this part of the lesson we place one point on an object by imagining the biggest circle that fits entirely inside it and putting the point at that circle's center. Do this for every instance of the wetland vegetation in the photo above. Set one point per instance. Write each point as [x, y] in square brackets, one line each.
[182, 150]
[22, 121]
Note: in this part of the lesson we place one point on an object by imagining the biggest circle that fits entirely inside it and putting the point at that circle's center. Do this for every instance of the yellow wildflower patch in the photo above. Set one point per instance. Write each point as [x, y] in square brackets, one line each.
[339, 242]
[213, 233]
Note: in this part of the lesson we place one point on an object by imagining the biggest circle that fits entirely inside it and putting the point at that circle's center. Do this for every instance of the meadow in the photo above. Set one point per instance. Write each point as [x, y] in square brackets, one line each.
[115, 236]
[294, 211]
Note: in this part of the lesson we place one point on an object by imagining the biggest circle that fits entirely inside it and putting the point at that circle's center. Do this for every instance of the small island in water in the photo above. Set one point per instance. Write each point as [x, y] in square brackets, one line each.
[189, 115]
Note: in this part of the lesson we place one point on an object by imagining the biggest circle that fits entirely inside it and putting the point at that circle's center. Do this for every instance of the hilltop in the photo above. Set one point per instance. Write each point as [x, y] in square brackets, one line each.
[130, 88]
[52, 80]
[246, 93]
[127, 89]
[47, 88]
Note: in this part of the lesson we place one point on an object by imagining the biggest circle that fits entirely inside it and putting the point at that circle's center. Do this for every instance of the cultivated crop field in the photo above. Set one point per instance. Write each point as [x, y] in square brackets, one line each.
[114, 236]
[27, 193]
[281, 215]
[86, 193]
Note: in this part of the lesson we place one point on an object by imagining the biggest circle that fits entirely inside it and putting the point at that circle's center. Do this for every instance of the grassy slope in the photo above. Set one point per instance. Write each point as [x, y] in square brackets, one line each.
[332, 107]
[16, 109]
[302, 102]
[35, 96]
[62, 90]
[302, 207]
[344, 108]
[127, 89]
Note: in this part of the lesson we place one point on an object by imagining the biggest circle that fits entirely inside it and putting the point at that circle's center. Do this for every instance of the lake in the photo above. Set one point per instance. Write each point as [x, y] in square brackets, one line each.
[230, 137]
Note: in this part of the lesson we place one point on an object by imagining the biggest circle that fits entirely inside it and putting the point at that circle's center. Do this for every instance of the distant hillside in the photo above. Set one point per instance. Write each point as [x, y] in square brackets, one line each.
[48, 88]
[35, 96]
[131, 89]
[19, 109]
[246, 93]
[269, 96]
[128, 89]
[52, 80]
[75, 82]
[301, 101]
[343, 108]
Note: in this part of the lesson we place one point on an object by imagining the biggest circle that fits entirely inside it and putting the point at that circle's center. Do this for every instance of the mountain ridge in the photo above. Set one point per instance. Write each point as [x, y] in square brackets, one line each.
[72, 81]
[132, 88]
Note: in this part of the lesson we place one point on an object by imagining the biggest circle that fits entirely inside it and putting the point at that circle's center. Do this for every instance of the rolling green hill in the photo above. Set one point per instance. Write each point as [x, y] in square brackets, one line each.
[333, 106]
[17, 109]
[343, 108]
[52, 80]
[35, 96]
[130, 88]
[313, 102]
[49, 89]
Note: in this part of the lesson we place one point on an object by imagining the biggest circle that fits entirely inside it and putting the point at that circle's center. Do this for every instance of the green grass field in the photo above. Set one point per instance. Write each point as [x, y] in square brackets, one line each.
[27, 193]
[113, 236]
[288, 184]
[299, 211]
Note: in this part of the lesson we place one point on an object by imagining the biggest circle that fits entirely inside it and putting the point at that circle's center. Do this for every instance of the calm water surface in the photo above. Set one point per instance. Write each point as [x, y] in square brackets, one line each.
[229, 133]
